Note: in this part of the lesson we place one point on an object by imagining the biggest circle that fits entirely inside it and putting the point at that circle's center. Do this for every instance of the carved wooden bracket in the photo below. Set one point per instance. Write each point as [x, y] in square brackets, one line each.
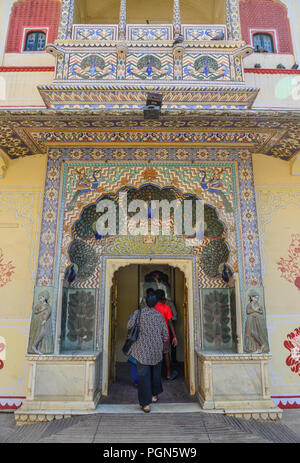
[122, 51]
[178, 52]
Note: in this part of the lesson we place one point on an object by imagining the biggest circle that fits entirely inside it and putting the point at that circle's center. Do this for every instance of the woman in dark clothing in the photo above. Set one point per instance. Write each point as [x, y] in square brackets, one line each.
[148, 352]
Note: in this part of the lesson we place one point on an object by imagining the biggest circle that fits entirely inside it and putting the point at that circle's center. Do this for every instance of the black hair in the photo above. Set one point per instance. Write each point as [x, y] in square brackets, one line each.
[149, 291]
[160, 294]
[151, 300]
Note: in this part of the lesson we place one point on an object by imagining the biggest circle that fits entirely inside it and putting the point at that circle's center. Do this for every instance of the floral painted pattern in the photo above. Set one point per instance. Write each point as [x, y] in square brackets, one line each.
[290, 267]
[293, 345]
[6, 270]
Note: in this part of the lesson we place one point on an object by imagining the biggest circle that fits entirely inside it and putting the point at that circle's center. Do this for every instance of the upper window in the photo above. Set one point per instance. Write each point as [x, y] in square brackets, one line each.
[35, 41]
[263, 43]
[31, 17]
[266, 26]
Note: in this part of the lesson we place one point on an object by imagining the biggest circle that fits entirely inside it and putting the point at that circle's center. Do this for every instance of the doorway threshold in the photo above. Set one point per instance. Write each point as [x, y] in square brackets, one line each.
[155, 408]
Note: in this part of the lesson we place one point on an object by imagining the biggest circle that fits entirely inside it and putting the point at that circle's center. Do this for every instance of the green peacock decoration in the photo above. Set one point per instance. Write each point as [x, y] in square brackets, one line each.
[213, 228]
[214, 254]
[84, 256]
[216, 311]
[81, 315]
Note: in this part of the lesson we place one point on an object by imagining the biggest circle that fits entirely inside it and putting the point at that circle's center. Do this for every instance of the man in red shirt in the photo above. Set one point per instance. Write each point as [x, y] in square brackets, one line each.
[167, 314]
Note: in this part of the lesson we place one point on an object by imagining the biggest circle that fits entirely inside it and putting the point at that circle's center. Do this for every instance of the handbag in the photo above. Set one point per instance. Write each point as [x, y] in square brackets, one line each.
[133, 335]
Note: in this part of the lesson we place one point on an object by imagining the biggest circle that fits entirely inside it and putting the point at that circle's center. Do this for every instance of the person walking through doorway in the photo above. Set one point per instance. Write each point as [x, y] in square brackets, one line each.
[166, 312]
[148, 352]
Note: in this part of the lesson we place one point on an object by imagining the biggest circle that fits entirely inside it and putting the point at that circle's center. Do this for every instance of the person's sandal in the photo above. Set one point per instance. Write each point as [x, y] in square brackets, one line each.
[145, 408]
[154, 399]
[174, 375]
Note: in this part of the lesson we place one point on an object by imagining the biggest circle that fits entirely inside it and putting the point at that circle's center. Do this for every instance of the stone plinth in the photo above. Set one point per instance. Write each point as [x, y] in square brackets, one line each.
[238, 384]
[59, 386]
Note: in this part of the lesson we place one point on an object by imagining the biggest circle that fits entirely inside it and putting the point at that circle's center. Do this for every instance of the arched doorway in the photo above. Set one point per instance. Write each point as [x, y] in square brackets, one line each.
[129, 273]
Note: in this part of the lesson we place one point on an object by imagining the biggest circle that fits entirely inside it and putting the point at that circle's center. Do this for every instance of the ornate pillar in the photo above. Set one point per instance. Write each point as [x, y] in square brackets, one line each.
[122, 20]
[176, 19]
[239, 323]
[233, 20]
[66, 19]
[59, 313]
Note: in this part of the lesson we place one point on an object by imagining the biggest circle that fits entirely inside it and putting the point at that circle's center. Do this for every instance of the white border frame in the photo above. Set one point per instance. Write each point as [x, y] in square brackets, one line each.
[34, 29]
[266, 31]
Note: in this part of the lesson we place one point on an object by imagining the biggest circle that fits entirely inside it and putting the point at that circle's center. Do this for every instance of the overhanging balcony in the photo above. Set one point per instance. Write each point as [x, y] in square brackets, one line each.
[115, 65]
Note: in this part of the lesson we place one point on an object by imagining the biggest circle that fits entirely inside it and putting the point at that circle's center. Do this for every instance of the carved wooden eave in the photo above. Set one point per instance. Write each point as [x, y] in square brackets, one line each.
[125, 96]
[60, 46]
[28, 132]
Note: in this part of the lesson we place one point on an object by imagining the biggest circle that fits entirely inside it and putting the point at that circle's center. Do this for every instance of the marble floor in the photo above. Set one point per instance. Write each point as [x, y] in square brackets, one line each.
[124, 391]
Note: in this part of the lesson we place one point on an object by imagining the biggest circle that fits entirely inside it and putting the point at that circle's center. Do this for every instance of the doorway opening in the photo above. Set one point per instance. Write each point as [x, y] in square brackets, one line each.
[129, 285]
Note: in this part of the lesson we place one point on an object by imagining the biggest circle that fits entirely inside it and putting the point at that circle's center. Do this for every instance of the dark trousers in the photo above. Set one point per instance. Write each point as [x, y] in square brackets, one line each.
[149, 382]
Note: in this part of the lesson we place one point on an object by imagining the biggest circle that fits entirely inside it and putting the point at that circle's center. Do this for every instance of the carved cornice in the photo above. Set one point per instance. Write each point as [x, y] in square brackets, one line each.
[129, 115]
[276, 133]
[61, 45]
[62, 358]
[119, 95]
[233, 357]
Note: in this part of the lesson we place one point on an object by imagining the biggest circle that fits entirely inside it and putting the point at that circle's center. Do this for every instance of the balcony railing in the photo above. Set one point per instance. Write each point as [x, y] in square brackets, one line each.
[142, 32]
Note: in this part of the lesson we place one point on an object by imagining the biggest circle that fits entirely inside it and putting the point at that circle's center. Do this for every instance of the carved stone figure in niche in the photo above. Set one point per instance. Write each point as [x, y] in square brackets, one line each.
[41, 339]
[255, 336]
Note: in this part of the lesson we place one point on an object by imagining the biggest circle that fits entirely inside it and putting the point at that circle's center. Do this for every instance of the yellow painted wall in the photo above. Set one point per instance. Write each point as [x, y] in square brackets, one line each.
[21, 195]
[21, 88]
[156, 11]
[278, 206]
